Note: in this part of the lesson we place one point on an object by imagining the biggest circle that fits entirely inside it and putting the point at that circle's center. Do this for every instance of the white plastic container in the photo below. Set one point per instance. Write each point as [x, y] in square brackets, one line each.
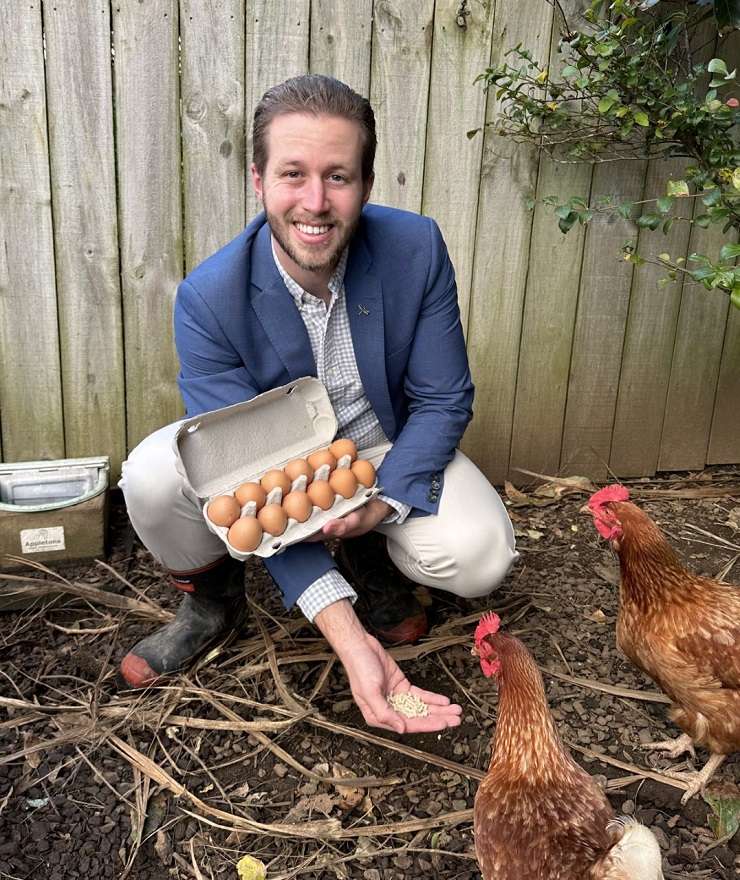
[221, 449]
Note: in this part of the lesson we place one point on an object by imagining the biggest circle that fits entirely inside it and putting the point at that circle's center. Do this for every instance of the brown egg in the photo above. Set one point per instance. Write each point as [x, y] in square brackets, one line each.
[321, 494]
[273, 519]
[364, 471]
[343, 447]
[299, 467]
[298, 506]
[251, 492]
[275, 478]
[223, 510]
[343, 482]
[322, 456]
[245, 534]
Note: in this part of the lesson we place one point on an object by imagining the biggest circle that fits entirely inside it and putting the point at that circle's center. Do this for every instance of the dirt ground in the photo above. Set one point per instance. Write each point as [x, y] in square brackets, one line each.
[240, 756]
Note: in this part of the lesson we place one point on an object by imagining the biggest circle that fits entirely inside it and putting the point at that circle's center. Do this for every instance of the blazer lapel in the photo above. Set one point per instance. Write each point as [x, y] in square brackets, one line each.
[276, 310]
[364, 295]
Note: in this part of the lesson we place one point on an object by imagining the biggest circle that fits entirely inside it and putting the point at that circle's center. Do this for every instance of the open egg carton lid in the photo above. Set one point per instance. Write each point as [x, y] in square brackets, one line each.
[221, 449]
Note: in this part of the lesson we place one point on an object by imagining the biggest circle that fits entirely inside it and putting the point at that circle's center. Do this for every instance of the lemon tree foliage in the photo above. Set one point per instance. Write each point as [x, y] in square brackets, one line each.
[631, 87]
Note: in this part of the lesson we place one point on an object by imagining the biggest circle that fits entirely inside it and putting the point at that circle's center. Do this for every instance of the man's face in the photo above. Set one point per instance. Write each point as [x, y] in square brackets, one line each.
[312, 188]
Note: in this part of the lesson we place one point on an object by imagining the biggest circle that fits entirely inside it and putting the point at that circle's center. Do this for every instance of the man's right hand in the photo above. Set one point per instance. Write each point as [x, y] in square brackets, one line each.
[374, 675]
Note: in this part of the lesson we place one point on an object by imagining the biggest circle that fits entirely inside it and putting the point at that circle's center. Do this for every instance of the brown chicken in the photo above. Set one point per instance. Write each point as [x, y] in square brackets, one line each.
[538, 815]
[681, 629]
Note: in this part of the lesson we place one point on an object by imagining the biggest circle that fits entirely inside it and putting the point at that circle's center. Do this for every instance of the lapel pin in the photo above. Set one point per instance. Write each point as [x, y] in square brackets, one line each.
[361, 310]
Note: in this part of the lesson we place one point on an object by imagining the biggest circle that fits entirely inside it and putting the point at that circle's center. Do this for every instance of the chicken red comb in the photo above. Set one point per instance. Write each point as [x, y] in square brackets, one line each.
[488, 624]
[615, 492]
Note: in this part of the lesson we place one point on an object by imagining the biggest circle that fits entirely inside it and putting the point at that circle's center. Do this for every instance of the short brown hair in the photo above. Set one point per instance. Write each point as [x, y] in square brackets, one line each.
[317, 95]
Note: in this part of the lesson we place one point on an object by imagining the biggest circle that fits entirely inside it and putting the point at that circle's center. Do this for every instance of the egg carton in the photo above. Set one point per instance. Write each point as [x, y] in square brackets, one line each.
[219, 450]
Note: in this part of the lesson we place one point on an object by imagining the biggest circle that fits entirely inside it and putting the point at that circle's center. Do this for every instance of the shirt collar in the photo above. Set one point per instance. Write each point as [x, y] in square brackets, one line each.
[336, 282]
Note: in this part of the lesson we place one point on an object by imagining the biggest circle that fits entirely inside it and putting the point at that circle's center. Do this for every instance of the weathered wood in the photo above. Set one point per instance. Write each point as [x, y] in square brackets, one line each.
[553, 280]
[508, 177]
[600, 325]
[276, 49]
[399, 86]
[80, 107]
[30, 381]
[695, 365]
[150, 230]
[724, 440]
[341, 37]
[213, 158]
[461, 50]
[649, 339]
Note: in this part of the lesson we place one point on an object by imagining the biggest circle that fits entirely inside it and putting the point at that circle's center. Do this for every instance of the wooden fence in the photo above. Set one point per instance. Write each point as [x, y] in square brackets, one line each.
[124, 156]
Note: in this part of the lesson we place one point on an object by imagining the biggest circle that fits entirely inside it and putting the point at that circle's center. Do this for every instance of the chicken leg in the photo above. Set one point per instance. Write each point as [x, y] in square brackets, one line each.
[674, 747]
[697, 779]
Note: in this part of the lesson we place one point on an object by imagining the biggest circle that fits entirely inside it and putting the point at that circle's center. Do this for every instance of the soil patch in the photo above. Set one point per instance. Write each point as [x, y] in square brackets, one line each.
[227, 760]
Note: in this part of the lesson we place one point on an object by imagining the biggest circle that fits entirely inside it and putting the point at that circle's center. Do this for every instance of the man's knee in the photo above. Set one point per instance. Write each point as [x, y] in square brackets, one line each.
[482, 577]
[149, 480]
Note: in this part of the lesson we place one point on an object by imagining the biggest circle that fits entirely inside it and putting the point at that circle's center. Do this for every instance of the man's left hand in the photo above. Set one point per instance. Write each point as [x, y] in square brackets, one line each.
[356, 523]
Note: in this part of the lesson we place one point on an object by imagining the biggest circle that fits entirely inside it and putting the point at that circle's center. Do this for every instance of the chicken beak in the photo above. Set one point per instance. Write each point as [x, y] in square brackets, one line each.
[585, 509]
[474, 651]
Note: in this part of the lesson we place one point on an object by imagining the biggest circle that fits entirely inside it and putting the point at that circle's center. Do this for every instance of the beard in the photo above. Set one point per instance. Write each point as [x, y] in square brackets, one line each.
[316, 259]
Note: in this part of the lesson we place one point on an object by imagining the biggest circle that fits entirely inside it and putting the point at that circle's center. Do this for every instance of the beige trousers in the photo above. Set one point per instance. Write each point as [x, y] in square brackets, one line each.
[466, 548]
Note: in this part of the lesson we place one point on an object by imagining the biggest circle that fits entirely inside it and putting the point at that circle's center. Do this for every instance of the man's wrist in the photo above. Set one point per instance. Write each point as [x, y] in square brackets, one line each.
[340, 626]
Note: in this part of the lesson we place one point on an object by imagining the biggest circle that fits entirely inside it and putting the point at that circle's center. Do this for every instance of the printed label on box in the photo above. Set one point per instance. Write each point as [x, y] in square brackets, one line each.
[42, 540]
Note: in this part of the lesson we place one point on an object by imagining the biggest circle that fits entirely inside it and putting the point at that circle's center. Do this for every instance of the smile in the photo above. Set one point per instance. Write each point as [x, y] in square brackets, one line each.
[312, 230]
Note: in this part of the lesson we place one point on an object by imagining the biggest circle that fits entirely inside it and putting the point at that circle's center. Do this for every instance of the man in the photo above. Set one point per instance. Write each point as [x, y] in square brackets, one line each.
[363, 297]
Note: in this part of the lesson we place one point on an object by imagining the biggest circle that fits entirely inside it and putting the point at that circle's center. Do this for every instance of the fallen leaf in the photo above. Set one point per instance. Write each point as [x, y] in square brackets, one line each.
[163, 847]
[597, 616]
[733, 519]
[724, 801]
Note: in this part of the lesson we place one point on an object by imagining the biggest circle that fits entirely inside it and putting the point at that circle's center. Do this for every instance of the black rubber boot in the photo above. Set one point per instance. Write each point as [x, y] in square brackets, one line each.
[214, 605]
[386, 601]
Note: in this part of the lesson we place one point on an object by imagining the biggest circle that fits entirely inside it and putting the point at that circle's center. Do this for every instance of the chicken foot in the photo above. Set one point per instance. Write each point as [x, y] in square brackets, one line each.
[697, 779]
[674, 747]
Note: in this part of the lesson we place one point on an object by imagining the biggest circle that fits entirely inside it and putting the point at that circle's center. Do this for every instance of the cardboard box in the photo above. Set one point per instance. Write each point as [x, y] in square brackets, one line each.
[53, 510]
[219, 450]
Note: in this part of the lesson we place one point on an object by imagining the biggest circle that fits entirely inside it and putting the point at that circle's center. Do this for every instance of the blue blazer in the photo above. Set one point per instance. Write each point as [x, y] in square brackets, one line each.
[238, 333]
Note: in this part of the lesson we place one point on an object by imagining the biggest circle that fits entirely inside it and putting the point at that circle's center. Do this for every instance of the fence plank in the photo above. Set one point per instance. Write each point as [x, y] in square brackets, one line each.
[214, 168]
[276, 49]
[508, 177]
[399, 86]
[553, 280]
[29, 335]
[600, 326]
[461, 51]
[80, 105]
[150, 226]
[651, 330]
[695, 365]
[341, 37]
[724, 440]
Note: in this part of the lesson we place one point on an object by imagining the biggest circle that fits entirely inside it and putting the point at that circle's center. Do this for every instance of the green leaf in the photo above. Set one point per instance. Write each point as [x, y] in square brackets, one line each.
[649, 221]
[677, 188]
[625, 210]
[605, 104]
[472, 133]
[565, 224]
[666, 258]
[712, 197]
[735, 297]
[729, 252]
[724, 802]
[667, 225]
[736, 178]
[703, 220]
[717, 65]
[569, 70]
[641, 118]
[664, 204]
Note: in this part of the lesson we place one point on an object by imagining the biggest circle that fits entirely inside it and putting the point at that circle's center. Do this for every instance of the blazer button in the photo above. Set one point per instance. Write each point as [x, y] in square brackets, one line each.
[432, 496]
[435, 484]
